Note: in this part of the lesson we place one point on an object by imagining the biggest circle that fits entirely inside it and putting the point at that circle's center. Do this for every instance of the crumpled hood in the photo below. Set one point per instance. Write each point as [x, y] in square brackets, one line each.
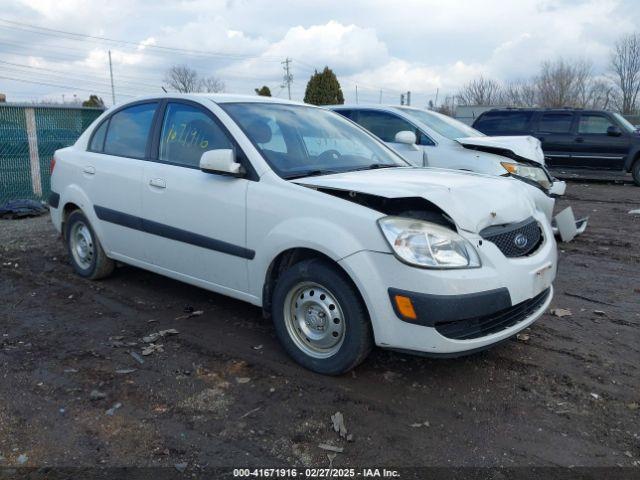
[473, 201]
[523, 147]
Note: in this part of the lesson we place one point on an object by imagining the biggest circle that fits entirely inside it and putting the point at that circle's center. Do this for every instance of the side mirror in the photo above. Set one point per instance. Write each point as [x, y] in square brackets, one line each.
[221, 161]
[614, 131]
[406, 137]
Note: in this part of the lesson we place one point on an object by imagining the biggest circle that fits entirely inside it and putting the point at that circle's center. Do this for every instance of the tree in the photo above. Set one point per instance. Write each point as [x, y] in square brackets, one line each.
[625, 63]
[562, 83]
[94, 102]
[263, 91]
[324, 89]
[182, 79]
[211, 84]
[519, 93]
[481, 91]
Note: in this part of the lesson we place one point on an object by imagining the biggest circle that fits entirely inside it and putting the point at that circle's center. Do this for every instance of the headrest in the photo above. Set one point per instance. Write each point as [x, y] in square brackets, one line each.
[260, 131]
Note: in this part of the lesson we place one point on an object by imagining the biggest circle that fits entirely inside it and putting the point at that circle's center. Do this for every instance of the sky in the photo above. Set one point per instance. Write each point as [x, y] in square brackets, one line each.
[55, 50]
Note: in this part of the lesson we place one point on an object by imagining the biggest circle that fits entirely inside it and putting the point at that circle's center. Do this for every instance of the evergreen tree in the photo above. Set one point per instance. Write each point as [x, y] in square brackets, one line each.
[324, 89]
[263, 91]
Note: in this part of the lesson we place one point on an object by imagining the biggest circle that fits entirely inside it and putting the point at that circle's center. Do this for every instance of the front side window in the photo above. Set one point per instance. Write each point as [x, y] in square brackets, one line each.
[384, 125]
[594, 124]
[624, 123]
[555, 123]
[188, 132]
[298, 141]
[128, 131]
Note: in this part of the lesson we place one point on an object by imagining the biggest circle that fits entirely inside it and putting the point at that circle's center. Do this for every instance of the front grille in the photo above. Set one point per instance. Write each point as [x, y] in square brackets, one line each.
[482, 326]
[516, 239]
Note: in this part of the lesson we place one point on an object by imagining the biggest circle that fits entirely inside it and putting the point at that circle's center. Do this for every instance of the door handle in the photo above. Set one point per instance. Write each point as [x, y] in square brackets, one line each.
[89, 170]
[579, 139]
[158, 183]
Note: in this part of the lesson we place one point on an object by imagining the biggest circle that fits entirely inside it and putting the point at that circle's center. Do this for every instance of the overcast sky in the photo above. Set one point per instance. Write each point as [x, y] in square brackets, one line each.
[418, 45]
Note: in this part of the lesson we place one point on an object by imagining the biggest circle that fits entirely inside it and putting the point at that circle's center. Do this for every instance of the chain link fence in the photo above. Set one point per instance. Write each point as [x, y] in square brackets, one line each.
[29, 135]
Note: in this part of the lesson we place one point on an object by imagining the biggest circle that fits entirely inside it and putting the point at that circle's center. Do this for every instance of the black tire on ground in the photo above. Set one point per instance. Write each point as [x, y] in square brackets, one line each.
[99, 266]
[358, 336]
[635, 171]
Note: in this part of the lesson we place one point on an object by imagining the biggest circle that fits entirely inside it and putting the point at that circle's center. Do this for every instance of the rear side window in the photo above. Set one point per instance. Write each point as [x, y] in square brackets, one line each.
[97, 140]
[594, 124]
[188, 132]
[345, 113]
[128, 131]
[503, 122]
[555, 123]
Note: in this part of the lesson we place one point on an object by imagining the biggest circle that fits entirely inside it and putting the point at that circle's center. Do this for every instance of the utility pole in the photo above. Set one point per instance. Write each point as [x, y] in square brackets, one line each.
[356, 94]
[288, 78]
[408, 98]
[435, 104]
[402, 99]
[113, 91]
[380, 96]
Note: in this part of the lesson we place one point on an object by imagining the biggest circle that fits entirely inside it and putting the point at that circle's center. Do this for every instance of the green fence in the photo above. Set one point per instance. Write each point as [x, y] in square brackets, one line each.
[29, 135]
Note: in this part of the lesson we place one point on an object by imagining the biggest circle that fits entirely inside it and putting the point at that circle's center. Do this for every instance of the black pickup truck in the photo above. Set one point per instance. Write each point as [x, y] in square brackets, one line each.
[572, 138]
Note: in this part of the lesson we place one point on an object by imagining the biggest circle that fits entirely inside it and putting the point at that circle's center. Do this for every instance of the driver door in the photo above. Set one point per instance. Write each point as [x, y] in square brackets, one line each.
[194, 221]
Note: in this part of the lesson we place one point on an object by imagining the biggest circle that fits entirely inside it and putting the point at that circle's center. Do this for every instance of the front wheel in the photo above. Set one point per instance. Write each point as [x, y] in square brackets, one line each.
[320, 318]
[635, 171]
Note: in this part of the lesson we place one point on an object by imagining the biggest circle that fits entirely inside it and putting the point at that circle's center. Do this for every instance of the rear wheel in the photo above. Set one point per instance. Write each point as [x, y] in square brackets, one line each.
[635, 171]
[87, 256]
[320, 318]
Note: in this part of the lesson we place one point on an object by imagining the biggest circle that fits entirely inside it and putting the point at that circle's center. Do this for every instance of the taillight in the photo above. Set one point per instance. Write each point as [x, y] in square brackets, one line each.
[52, 165]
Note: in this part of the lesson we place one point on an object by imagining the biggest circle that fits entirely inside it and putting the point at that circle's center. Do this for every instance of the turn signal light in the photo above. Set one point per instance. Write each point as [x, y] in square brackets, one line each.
[405, 307]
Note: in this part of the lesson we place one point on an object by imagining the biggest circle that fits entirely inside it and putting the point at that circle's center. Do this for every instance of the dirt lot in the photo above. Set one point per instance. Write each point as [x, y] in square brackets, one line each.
[223, 393]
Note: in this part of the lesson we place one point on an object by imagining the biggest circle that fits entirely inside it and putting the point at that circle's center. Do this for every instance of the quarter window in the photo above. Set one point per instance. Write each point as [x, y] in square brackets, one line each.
[594, 124]
[128, 131]
[97, 140]
[556, 123]
[188, 132]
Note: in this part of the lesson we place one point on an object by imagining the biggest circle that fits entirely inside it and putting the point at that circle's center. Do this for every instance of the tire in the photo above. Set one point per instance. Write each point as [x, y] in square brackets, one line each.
[635, 172]
[331, 305]
[87, 256]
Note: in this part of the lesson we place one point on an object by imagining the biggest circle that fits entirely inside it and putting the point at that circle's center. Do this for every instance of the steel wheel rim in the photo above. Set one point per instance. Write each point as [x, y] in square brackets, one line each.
[314, 320]
[82, 247]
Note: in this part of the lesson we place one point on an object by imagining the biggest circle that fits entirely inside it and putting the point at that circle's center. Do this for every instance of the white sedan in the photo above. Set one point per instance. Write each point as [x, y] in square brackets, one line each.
[297, 210]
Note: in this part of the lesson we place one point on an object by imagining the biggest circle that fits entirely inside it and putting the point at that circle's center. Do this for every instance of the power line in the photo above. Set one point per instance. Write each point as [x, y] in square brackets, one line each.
[288, 77]
[55, 85]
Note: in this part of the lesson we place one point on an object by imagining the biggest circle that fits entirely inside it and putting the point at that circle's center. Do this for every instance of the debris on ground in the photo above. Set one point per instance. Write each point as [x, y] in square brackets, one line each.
[595, 396]
[523, 337]
[152, 348]
[97, 395]
[421, 424]
[331, 448]
[181, 467]
[125, 371]
[22, 208]
[242, 380]
[151, 338]
[600, 313]
[111, 412]
[70, 370]
[137, 357]
[561, 312]
[331, 457]
[249, 413]
[195, 313]
[635, 212]
[338, 424]
[22, 459]
[258, 347]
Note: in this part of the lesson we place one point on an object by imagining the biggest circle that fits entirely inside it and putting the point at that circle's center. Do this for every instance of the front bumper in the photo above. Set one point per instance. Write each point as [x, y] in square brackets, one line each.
[501, 283]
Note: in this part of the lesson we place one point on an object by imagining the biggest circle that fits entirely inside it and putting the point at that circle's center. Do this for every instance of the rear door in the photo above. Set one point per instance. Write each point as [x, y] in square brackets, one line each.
[555, 130]
[195, 222]
[112, 174]
[594, 148]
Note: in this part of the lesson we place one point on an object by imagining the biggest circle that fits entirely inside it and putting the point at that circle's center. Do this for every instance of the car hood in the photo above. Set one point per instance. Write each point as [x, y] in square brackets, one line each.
[473, 201]
[525, 148]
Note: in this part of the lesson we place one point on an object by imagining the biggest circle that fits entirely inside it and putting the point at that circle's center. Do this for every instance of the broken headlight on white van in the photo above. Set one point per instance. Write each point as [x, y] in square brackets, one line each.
[535, 174]
[428, 245]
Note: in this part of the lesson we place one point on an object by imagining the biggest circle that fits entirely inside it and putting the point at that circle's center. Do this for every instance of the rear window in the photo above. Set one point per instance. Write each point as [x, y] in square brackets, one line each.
[555, 123]
[503, 122]
[129, 130]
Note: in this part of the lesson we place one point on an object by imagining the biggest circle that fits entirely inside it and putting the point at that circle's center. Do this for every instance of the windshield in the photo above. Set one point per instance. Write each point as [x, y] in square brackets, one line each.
[442, 124]
[298, 141]
[624, 123]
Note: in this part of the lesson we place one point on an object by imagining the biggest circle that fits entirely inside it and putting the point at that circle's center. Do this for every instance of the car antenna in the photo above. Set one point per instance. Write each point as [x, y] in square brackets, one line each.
[164, 89]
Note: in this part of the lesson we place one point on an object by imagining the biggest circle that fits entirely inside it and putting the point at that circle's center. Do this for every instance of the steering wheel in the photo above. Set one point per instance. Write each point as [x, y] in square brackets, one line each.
[330, 155]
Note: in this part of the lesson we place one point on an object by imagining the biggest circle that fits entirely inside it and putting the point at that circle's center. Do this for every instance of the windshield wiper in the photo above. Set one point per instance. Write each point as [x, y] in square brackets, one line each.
[375, 166]
[311, 173]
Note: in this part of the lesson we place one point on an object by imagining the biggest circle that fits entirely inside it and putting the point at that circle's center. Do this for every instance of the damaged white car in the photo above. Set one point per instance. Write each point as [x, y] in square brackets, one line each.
[427, 138]
[297, 210]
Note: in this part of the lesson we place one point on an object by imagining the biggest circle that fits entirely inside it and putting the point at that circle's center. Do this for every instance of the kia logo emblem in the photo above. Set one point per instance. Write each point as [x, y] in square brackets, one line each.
[520, 241]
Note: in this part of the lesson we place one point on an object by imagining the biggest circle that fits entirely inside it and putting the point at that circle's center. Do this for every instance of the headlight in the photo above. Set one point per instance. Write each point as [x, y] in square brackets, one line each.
[425, 244]
[536, 174]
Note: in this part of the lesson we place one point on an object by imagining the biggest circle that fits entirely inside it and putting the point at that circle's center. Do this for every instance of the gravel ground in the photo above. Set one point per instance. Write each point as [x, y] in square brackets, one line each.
[223, 393]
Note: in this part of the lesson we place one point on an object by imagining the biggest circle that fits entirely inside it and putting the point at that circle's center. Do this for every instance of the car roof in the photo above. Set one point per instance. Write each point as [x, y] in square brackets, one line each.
[216, 97]
[541, 109]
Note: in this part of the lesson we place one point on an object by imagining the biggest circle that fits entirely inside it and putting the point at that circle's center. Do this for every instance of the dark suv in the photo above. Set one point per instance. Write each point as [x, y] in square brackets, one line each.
[588, 139]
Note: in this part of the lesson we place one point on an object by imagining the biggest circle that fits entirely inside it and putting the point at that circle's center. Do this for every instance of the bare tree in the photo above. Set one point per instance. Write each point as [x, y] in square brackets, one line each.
[625, 63]
[182, 79]
[480, 91]
[519, 93]
[562, 83]
[211, 85]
